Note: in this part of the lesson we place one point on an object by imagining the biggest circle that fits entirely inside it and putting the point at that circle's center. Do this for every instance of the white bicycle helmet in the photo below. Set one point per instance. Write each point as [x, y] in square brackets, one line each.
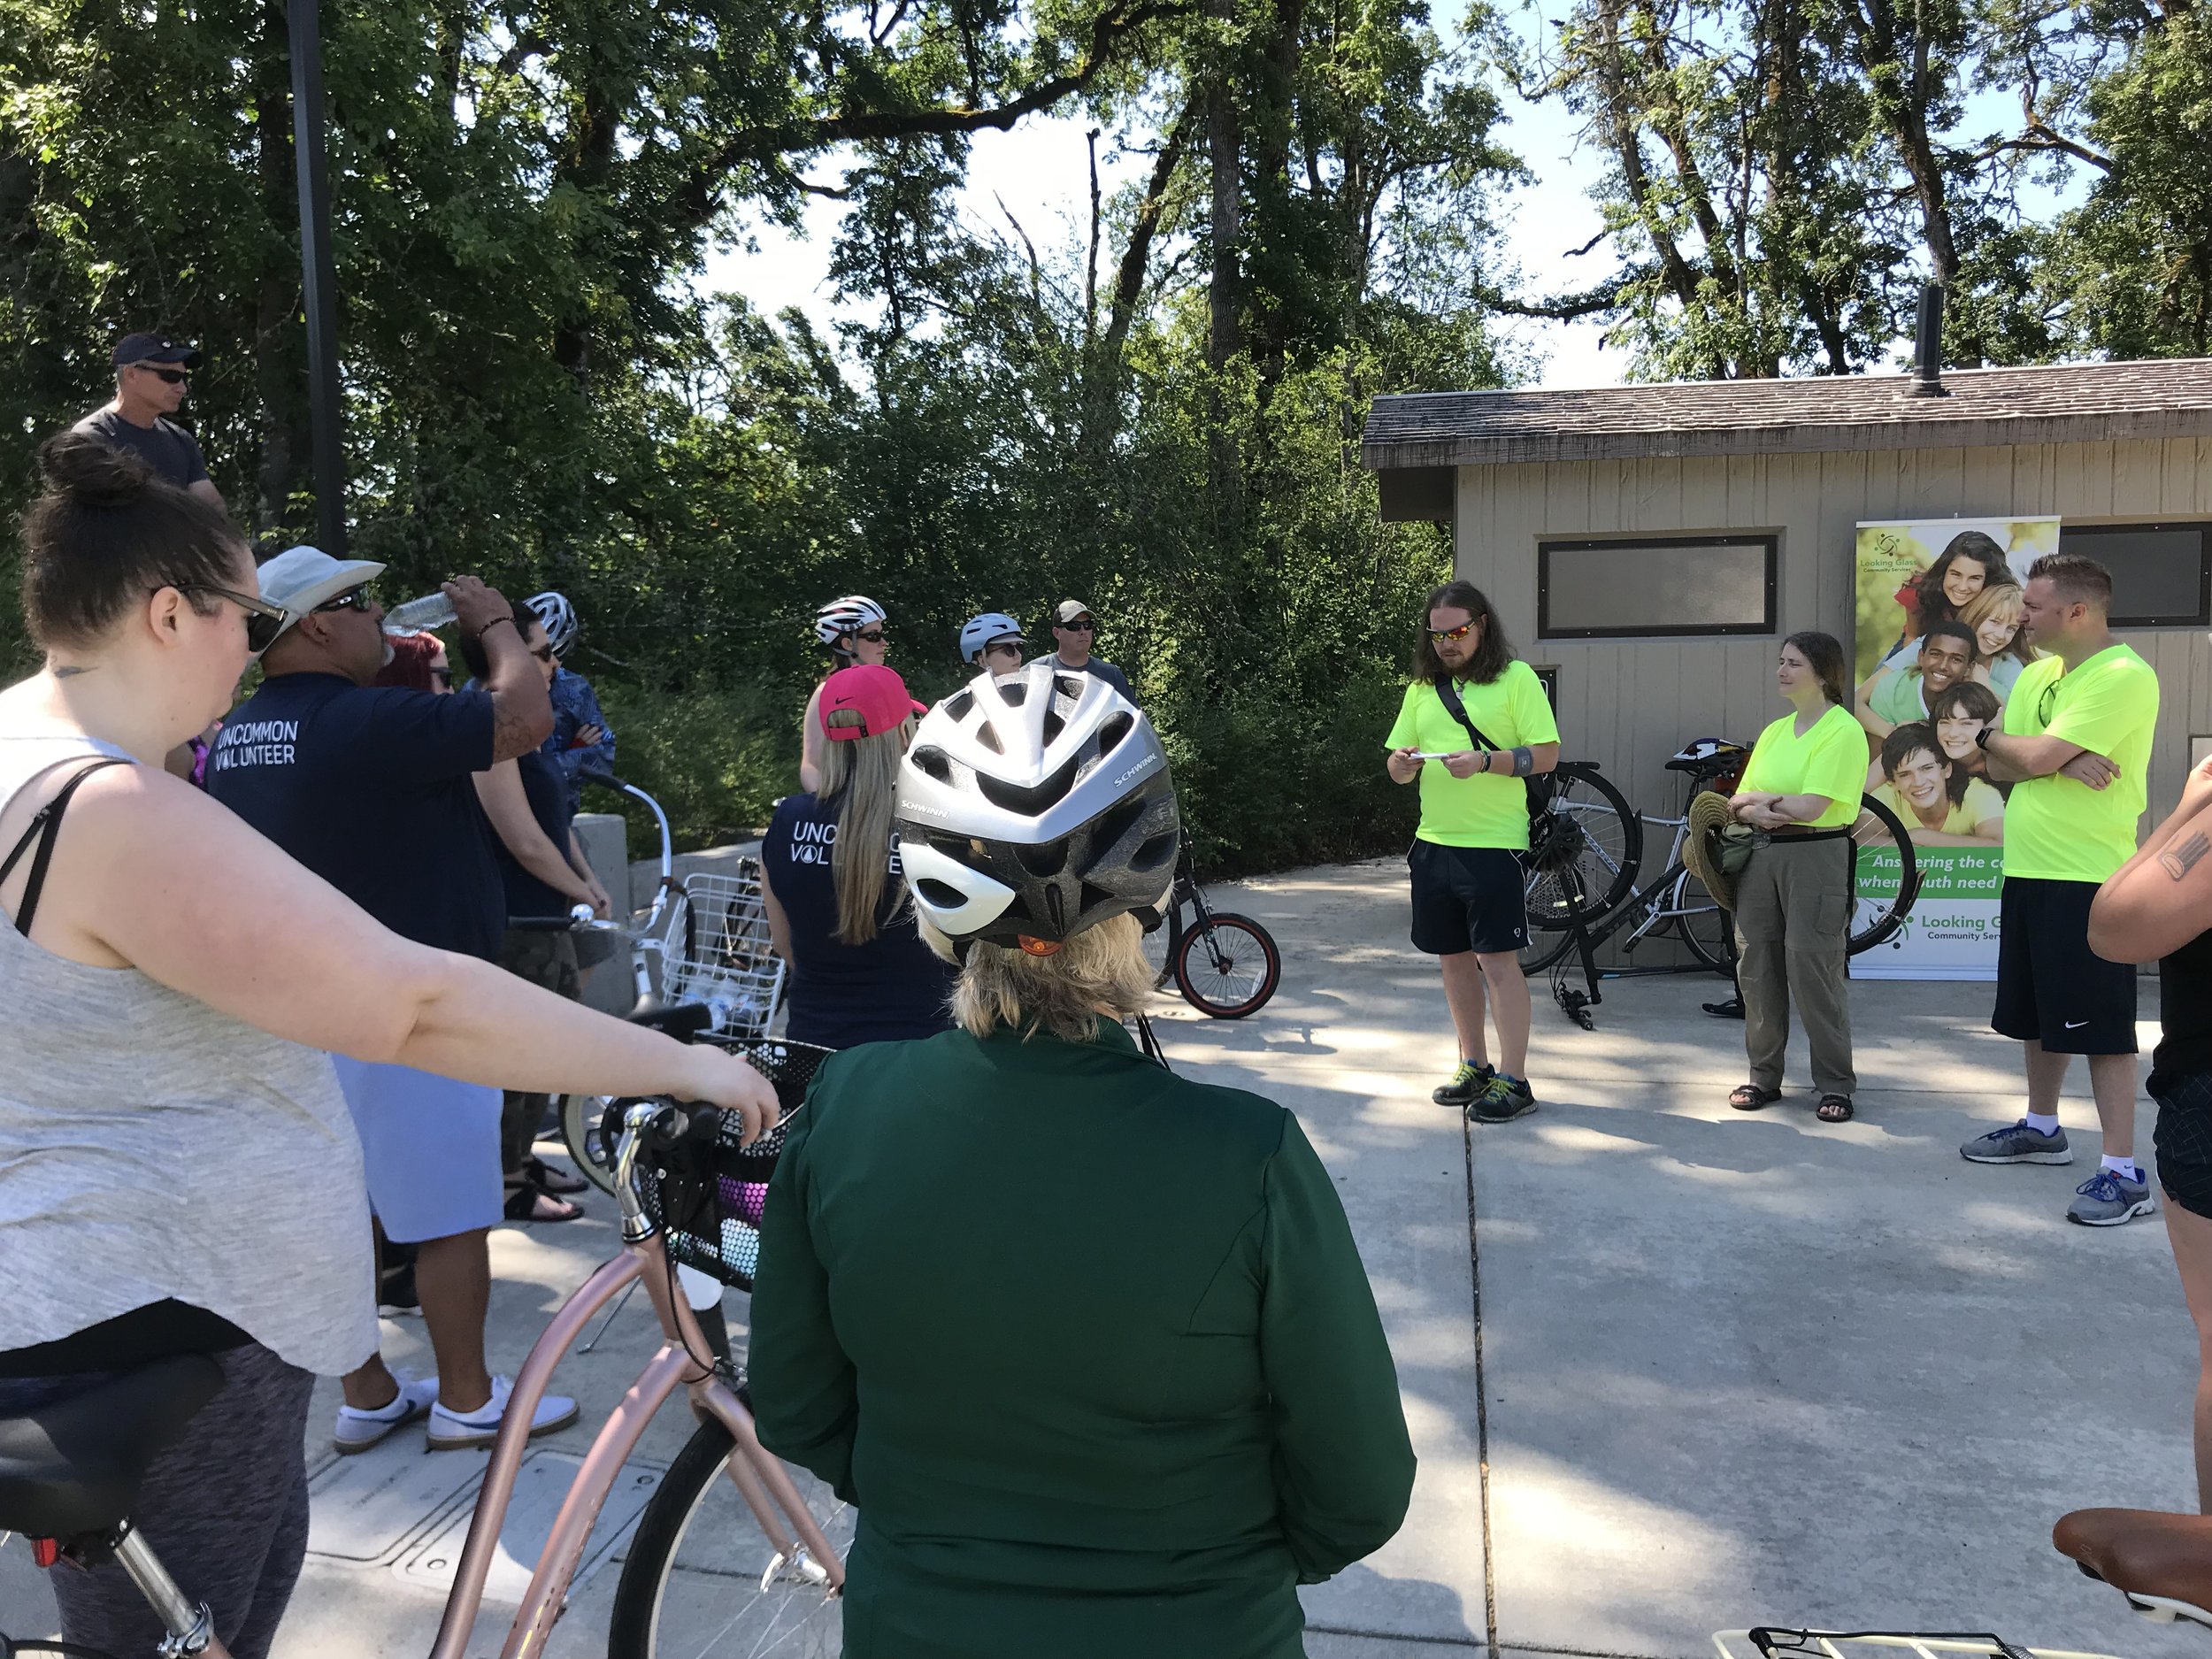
[1036, 804]
[980, 630]
[558, 619]
[849, 615]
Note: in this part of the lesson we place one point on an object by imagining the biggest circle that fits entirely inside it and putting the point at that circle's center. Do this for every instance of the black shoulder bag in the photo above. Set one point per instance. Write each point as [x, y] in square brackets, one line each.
[1542, 826]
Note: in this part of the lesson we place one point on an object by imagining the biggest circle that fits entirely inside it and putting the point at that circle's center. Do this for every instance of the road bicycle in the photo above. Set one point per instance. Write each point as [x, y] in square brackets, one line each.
[1223, 964]
[1774, 1642]
[1582, 889]
[703, 940]
[735, 1553]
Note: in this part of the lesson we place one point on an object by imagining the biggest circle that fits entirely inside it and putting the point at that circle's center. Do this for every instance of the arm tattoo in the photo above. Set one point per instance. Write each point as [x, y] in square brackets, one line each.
[2179, 861]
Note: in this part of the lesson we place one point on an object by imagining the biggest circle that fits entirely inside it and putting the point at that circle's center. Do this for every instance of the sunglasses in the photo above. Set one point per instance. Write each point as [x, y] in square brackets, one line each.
[1081, 625]
[359, 599]
[175, 377]
[874, 636]
[2045, 705]
[1008, 648]
[265, 620]
[544, 653]
[1459, 632]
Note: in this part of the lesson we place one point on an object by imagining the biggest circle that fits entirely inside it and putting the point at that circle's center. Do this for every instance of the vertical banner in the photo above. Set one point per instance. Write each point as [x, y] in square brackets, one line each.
[1937, 648]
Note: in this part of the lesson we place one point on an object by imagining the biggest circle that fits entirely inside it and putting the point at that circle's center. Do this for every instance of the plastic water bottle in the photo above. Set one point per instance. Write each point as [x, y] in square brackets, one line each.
[425, 615]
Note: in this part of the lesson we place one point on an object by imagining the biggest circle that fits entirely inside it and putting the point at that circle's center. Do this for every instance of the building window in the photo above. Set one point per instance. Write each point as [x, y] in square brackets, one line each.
[2161, 573]
[1620, 586]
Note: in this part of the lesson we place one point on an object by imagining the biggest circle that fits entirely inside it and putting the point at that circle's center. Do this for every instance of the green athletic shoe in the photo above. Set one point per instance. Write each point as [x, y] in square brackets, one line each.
[1466, 1085]
[1504, 1100]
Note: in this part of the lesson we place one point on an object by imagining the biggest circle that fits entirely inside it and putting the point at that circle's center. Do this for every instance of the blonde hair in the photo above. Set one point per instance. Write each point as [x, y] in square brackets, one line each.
[861, 775]
[1102, 971]
[1986, 604]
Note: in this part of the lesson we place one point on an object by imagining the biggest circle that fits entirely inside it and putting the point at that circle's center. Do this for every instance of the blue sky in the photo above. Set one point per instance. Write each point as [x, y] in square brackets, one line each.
[1039, 173]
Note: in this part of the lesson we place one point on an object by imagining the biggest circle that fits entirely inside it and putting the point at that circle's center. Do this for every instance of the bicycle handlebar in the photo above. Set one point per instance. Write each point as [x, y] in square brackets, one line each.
[606, 779]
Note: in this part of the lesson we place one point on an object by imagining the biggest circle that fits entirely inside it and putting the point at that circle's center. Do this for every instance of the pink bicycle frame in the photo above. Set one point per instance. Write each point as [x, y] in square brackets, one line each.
[764, 1482]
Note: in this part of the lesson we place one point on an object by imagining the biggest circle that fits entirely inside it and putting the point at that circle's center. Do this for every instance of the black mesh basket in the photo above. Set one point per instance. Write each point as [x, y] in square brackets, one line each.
[707, 1197]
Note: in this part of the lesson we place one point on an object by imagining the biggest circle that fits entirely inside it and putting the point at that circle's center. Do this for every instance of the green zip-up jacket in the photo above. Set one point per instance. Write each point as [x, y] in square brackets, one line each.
[1089, 1346]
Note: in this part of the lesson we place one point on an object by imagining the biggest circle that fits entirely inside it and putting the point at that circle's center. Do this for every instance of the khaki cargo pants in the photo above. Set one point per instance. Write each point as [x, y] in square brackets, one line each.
[1792, 920]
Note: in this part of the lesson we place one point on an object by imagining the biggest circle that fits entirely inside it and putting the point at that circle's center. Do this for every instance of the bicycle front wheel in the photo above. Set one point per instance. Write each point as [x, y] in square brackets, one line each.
[1228, 966]
[702, 1580]
[1884, 877]
[1593, 867]
[582, 1117]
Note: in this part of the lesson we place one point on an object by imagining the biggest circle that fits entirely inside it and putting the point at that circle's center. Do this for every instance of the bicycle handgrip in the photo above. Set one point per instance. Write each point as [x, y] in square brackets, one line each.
[599, 775]
[677, 1121]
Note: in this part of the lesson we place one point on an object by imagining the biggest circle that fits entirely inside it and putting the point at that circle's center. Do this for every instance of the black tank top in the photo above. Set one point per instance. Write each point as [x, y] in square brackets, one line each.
[2185, 1013]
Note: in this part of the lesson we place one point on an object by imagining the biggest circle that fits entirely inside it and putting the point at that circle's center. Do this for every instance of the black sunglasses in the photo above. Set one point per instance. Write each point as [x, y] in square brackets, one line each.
[359, 599]
[1013, 648]
[175, 376]
[874, 636]
[264, 620]
[1081, 625]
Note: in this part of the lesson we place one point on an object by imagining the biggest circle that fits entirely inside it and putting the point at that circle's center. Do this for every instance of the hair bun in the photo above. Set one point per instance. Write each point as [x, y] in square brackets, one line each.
[90, 473]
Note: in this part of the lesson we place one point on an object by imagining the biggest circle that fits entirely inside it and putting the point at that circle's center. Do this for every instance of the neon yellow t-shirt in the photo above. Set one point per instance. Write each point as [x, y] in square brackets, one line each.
[1484, 810]
[1830, 760]
[2059, 830]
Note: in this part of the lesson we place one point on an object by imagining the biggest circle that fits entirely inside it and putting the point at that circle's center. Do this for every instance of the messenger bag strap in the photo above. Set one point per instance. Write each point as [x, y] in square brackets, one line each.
[1447, 693]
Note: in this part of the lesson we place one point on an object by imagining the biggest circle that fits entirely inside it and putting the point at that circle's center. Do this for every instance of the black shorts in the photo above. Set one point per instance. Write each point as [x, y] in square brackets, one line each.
[1467, 898]
[2183, 1138]
[2051, 986]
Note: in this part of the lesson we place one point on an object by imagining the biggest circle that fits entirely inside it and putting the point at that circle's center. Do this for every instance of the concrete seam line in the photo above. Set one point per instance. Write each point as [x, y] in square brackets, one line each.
[1467, 1643]
[1482, 1399]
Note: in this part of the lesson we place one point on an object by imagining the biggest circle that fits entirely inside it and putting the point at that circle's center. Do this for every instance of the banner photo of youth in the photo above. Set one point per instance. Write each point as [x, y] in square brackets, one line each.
[1938, 646]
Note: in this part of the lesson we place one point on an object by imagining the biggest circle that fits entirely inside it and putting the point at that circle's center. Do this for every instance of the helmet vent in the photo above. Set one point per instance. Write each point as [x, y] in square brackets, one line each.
[1096, 898]
[989, 737]
[1029, 800]
[1112, 730]
[1067, 686]
[932, 760]
[1155, 850]
[1116, 822]
[941, 895]
[1015, 691]
[1044, 860]
[958, 704]
[1054, 724]
[1056, 908]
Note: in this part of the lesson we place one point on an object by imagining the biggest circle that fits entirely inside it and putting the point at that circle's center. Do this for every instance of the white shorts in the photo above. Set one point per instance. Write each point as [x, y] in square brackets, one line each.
[431, 1147]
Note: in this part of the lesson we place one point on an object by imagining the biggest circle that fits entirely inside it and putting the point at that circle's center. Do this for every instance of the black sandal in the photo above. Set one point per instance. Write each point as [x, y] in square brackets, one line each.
[1834, 1108]
[1749, 1097]
[529, 1201]
[556, 1181]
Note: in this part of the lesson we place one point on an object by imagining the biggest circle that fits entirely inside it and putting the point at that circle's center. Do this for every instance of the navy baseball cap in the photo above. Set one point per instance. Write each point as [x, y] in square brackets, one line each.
[154, 349]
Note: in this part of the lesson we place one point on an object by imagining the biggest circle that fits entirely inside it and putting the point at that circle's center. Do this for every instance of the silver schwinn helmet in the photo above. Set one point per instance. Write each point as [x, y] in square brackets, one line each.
[1040, 804]
[849, 615]
[557, 616]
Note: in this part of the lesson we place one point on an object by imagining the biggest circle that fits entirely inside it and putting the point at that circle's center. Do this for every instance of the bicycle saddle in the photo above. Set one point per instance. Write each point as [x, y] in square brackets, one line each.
[2161, 1562]
[75, 1466]
[1707, 754]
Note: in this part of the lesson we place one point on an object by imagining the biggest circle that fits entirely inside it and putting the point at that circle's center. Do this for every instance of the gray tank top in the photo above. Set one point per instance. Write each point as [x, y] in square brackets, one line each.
[150, 1147]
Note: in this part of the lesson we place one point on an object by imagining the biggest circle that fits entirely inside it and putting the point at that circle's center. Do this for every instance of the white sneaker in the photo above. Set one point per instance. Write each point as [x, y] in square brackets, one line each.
[358, 1430]
[452, 1430]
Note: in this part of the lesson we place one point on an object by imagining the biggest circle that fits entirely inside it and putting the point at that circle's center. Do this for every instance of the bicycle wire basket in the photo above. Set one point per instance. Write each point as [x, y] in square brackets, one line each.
[707, 1197]
[717, 951]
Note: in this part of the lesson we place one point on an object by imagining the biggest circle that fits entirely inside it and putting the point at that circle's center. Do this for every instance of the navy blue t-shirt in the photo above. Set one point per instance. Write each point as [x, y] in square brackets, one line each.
[889, 990]
[369, 786]
[548, 792]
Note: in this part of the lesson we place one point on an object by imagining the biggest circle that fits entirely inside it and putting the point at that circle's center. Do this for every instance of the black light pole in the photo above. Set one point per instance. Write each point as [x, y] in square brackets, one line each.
[320, 286]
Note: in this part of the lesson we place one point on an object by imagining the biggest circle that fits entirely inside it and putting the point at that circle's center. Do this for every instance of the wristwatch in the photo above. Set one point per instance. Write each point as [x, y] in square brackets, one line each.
[1982, 737]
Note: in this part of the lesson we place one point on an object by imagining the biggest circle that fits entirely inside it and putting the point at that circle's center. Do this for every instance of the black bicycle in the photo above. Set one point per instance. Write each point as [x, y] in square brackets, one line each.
[1582, 878]
[1225, 965]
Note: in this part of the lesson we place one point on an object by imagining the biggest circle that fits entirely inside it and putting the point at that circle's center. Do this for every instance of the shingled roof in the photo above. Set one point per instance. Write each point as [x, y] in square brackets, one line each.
[2071, 403]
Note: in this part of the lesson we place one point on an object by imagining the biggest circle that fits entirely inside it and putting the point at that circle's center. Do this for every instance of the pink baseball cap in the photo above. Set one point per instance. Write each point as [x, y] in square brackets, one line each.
[873, 694]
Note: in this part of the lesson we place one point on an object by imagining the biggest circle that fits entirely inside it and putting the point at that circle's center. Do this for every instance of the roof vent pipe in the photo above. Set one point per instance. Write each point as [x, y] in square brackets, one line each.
[1927, 352]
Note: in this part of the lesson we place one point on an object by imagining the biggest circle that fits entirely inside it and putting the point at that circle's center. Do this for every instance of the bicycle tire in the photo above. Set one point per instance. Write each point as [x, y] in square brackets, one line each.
[713, 1601]
[1544, 950]
[1607, 859]
[1877, 919]
[1223, 966]
[581, 1117]
[1699, 922]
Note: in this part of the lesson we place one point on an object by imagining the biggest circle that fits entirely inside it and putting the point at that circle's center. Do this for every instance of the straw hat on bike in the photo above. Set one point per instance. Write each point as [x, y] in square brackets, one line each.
[1709, 818]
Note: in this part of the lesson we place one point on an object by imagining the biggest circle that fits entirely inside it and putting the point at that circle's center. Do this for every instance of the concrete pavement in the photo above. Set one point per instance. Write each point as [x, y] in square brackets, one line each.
[1728, 1368]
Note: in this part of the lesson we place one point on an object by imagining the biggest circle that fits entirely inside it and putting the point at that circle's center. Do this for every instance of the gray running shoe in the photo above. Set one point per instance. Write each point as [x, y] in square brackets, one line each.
[2016, 1143]
[2106, 1199]
[1466, 1085]
[1502, 1101]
